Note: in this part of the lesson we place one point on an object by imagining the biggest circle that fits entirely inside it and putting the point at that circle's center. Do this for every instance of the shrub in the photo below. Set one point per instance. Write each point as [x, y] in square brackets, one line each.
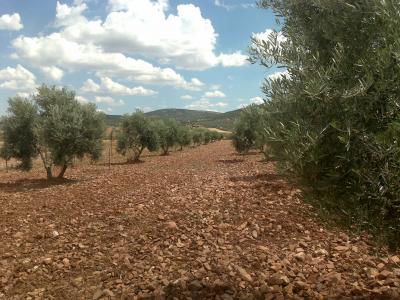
[333, 120]
[136, 133]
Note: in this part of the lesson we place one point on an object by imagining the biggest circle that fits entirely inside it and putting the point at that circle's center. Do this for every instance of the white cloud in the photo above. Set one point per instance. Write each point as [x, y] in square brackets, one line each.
[55, 50]
[214, 94]
[69, 15]
[205, 104]
[221, 3]
[268, 33]
[11, 22]
[236, 59]
[17, 78]
[81, 99]
[278, 75]
[257, 100]
[90, 87]
[108, 100]
[53, 72]
[108, 86]
[187, 39]
[23, 94]
[186, 97]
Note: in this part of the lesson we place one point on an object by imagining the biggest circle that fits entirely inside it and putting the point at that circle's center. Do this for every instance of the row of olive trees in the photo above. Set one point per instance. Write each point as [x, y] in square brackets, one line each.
[54, 126]
[138, 132]
[333, 122]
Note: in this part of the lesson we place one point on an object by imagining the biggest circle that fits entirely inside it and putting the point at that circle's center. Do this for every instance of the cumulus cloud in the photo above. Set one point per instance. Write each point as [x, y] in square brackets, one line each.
[236, 59]
[108, 100]
[69, 15]
[221, 3]
[278, 75]
[214, 94]
[108, 86]
[186, 97]
[53, 72]
[268, 33]
[55, 50]
[187, 39]
[206, 104]
[17, 78]
[11, 22]
[82, 99]
[256, 100]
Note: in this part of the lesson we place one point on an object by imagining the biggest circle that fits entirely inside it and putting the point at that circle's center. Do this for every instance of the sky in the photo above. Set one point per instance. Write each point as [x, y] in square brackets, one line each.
[125, 55]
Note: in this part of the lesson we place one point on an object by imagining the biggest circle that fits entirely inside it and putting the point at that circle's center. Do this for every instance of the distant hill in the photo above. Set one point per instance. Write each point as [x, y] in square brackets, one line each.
[210, 119]
[182, 115]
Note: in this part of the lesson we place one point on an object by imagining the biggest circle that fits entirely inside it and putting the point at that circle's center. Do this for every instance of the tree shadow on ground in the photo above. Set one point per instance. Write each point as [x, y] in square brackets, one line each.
[230, 161]
[267, 177]
[24, 185]
[246, 154]
[121, 163]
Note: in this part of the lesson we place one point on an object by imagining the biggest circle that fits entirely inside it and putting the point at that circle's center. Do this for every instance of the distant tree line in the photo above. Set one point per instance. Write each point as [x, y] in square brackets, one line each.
[53, 126]
[138, 132]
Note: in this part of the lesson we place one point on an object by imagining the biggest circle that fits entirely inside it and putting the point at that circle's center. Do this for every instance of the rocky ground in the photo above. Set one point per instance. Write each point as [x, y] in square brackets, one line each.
[204, 223]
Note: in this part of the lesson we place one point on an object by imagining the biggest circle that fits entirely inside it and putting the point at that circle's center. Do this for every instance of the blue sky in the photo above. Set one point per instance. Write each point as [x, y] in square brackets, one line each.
[129, 54]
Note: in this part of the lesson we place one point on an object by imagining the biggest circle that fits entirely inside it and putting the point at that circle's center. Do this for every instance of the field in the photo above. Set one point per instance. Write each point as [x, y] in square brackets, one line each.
[204, 223]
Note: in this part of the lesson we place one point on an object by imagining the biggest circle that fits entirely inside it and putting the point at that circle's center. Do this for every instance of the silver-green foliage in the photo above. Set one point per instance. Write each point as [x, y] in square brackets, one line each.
[334, 119]
[249, 129]
[53, 125]
[136, 134]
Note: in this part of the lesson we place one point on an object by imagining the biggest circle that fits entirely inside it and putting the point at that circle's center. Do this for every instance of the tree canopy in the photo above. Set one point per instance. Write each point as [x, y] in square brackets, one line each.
[332, 117]
[53, 125]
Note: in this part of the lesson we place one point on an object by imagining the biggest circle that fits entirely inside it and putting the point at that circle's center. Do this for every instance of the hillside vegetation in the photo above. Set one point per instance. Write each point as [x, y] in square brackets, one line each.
[209, 119]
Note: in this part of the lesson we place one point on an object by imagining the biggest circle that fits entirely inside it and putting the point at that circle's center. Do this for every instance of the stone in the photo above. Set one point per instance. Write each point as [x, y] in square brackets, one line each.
[243, 273]
[195, 285]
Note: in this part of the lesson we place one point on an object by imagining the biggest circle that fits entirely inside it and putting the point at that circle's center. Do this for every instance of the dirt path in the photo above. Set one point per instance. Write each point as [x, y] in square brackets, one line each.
[204, 223]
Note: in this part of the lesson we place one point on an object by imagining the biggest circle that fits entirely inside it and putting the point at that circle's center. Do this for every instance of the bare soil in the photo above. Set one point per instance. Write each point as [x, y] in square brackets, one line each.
[204, 223]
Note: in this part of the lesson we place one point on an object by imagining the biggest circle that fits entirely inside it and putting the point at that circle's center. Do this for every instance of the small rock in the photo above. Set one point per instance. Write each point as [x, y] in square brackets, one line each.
[278, 279]
[341, 248]
[300, 256]
[97, 294]
[18, 235]
[394, 259]
[66, 262]
[171, 225]
[243, 273]
[195, 285]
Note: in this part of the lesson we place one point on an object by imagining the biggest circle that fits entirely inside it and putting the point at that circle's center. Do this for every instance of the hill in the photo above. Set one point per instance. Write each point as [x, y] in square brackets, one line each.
[209, 119]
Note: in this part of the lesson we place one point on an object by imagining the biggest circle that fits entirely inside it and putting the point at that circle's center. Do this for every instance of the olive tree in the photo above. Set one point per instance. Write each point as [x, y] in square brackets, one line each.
[198, 136]
[249, 129]
[136, 134]
[167, 131]
[333, 116]
[184, 136]
[20, 138]
[54, 126]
